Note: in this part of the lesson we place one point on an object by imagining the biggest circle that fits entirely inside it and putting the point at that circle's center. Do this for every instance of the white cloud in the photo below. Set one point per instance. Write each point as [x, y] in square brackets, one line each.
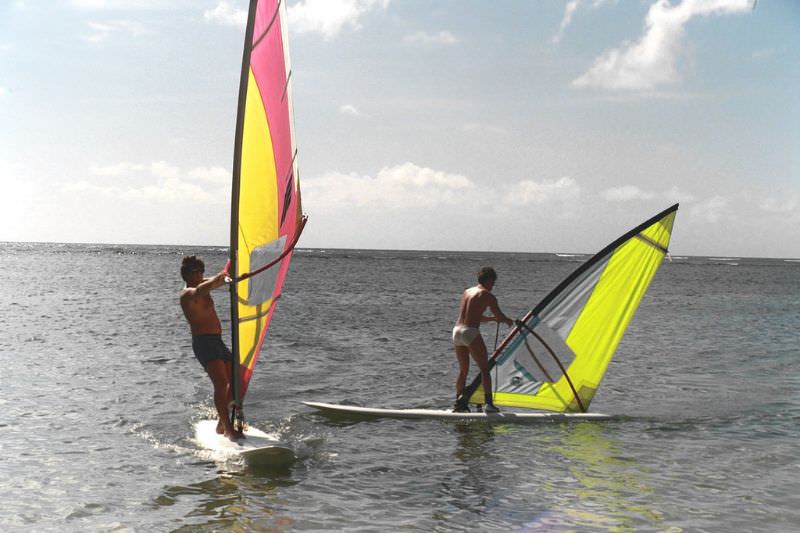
[783, 205]
[651, 61]
[168, 191]
[411, 187]
[424, 38]
[225, 13]
[627, 193]
[103, 30]
[126, 4]
[675, 194]
[328, 17]
[173, 191]
[218, 176]
[349, 109]
[118, 169]
[162, 169]
[4, 91]
[566, 20]
[529, 192]
[405, 186]
[569, 11]
[83, 186]
[712, 210]
[632, 193]
[158, 182]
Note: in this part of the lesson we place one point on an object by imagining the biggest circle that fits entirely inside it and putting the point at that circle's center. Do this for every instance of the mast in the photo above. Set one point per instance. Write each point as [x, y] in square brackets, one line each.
[236, 414]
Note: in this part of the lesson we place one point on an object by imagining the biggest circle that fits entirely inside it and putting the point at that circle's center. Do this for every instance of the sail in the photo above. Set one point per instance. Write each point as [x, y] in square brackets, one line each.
[555, 358]
[266, 215]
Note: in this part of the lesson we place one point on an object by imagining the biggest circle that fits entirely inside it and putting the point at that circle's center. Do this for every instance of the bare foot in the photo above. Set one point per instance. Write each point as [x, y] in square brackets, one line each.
[234, 435]
[220, 428]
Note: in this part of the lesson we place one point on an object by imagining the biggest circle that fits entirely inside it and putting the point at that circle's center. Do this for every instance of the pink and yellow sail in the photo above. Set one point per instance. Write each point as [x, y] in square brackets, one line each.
[266, 214]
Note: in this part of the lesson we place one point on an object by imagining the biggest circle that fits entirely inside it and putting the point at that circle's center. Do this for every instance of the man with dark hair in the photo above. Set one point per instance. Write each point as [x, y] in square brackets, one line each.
[207, 344]
[467, 337]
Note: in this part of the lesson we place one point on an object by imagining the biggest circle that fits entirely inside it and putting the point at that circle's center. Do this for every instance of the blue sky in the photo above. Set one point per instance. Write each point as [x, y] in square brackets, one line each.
[549, 126]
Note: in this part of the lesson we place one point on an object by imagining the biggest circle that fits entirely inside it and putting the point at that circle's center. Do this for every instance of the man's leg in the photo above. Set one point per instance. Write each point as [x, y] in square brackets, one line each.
[478, 350]
[218, 372]
[462, 355]
[220, 426]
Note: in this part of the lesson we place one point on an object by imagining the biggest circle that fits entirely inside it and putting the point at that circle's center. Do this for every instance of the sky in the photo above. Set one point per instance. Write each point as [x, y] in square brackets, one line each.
[517, 125]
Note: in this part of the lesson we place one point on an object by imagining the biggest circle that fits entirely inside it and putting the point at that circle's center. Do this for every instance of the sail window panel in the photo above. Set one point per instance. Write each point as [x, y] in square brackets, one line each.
[548, 347]
[519, 374]
[532, 361]
[262, 285]
[564, 310]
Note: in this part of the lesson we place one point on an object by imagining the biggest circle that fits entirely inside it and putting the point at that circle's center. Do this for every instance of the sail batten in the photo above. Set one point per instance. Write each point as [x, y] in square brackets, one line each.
[578, 325]
[266, 215]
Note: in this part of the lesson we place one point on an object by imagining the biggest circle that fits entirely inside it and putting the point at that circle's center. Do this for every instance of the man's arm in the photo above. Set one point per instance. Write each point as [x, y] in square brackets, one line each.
[205, 287]
[499, 316]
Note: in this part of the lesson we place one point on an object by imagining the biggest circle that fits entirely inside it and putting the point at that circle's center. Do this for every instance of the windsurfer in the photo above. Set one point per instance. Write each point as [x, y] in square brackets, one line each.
[467, 338]
[207, 343]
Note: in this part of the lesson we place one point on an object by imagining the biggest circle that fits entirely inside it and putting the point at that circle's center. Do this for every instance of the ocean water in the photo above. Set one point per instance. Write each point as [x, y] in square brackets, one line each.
[99, 391]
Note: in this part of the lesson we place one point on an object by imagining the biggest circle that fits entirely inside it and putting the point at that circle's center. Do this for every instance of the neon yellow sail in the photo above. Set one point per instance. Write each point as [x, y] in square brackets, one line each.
[555, 358]
[266, 214]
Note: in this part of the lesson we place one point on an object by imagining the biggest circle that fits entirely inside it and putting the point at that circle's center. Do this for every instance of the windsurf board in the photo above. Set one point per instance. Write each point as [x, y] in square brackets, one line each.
[257, 448]
[446, 414]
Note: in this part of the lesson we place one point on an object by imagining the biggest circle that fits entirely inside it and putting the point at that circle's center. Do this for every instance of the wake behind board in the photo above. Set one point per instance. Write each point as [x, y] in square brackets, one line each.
[257, 448]
[433, 414]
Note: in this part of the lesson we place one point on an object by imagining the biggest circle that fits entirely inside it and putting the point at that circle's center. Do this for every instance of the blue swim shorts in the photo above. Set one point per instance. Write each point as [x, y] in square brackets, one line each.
[209, 347]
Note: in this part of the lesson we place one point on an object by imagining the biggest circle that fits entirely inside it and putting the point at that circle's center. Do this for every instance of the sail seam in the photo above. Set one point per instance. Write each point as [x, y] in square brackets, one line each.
[286, 86]
[651, 242]
[250, 318]
[287, 198]
[269, 26]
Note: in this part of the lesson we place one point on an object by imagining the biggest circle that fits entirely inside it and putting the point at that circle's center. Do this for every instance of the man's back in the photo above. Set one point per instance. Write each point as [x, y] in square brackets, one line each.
[473, 303]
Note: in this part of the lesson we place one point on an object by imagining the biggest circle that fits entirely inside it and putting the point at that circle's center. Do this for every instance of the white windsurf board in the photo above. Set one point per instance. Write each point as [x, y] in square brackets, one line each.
[502, 416]
[257, 448]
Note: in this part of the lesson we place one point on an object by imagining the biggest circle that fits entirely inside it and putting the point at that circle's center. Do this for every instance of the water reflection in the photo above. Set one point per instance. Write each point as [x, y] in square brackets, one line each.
[469, 488]
[602, 489]
[552, 477]
[474, 440]
[245, 500]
